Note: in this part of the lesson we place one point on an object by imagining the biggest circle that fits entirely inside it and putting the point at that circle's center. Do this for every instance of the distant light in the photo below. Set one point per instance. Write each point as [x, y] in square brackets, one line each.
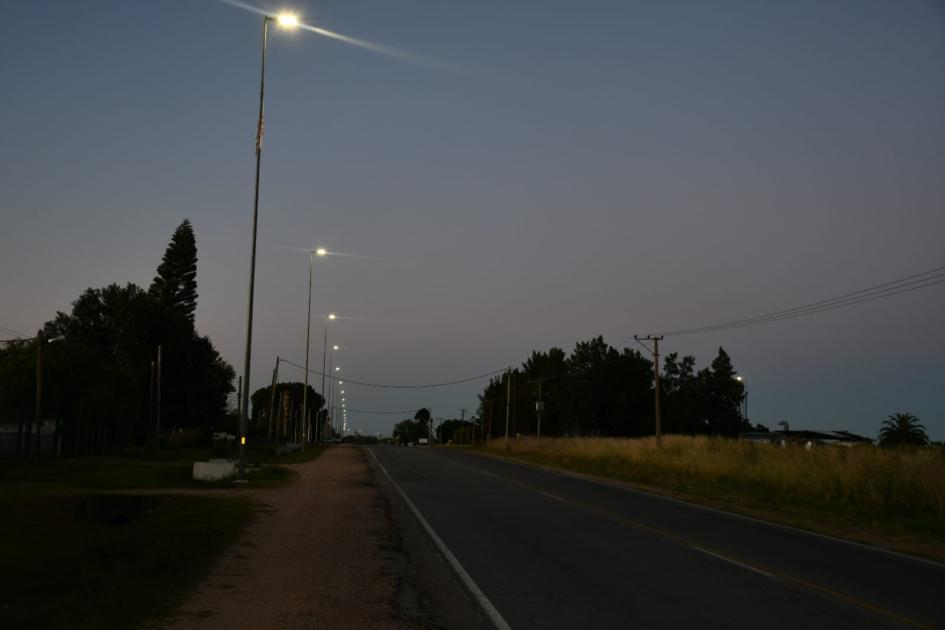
[243, 440]
[334, 348]
[342, 391]
[340, 382]
[287, 20]
[332, 316]
[738, 378]
[321, 251]
[337, 368]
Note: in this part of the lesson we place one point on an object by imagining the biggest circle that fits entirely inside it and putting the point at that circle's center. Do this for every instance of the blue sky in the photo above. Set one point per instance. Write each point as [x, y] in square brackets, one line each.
[568, 169]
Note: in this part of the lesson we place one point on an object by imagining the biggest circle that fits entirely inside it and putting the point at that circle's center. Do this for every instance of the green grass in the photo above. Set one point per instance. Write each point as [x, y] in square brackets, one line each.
[107, 561]
[894, 498]
[81, 548]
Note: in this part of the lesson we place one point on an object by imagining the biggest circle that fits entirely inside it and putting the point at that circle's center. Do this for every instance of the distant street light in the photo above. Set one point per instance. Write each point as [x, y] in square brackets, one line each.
[320, 252]
[328, 318]
[286, 21]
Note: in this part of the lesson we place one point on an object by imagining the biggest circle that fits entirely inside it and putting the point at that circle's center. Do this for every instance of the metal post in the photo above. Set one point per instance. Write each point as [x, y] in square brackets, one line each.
[308, 326]
[252, 260]
[324, 363]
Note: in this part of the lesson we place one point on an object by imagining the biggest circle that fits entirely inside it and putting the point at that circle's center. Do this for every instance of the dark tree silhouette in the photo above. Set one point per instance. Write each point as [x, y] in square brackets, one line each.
[902, 429]
[175, 284]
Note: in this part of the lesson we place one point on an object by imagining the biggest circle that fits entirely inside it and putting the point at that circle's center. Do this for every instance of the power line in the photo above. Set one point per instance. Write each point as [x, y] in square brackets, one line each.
[15, 332]
[379, 413]
[398, 386]
[906, 284]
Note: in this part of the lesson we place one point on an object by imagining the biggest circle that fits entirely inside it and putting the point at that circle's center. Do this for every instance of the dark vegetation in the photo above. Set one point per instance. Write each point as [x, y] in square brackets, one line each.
[99, 379]
[601, 391]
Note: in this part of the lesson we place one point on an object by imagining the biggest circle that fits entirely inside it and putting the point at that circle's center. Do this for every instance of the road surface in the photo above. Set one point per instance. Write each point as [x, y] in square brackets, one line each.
[540, 549]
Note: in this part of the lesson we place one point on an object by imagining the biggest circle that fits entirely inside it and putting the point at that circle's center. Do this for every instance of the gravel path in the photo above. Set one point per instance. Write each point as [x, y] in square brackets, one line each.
[311, 559]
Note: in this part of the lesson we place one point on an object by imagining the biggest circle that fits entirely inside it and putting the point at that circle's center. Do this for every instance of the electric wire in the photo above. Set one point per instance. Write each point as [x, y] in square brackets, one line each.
[906, 284]
[397, 386]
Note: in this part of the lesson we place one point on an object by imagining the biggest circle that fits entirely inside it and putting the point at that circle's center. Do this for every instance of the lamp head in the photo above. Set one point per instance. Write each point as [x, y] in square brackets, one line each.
[321, 251]
[287, 21]
[332, 316]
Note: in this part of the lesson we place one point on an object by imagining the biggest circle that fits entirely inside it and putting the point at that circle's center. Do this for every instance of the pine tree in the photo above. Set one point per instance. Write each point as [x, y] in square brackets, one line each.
[176, 283]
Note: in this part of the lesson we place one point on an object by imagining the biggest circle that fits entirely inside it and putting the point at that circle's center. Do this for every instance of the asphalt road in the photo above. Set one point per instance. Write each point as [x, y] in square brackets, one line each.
[550, 550]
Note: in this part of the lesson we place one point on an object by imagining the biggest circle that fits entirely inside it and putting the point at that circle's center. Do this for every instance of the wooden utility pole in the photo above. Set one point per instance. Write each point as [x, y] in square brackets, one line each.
[656, 377]
[239, 395]
[272, 398]
[39, 394]
[539, 407]
[508, 401]
[157, 405]
[151, 405]
[462, 423]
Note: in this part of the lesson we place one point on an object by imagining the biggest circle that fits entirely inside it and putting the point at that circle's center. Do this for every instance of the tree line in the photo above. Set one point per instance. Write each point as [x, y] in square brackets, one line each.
[599, 390]
[99, 375]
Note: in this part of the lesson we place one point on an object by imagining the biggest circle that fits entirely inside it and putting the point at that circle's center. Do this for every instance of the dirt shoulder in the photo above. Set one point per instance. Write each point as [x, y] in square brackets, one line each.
[309, 560]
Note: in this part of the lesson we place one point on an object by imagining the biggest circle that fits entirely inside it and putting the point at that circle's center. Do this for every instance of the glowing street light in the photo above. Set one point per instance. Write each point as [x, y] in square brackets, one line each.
[287, 21]
[320, 252]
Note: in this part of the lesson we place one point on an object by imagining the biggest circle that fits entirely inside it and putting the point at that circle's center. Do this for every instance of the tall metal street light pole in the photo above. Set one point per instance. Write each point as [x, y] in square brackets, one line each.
[328, 318]
[320, 252]
[287, 21]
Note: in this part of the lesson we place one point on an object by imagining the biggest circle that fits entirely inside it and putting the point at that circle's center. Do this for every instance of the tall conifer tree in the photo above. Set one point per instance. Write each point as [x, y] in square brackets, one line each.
[176, 283]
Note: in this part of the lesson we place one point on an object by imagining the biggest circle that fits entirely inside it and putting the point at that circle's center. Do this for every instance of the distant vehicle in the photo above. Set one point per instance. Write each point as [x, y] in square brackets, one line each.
[424, 441]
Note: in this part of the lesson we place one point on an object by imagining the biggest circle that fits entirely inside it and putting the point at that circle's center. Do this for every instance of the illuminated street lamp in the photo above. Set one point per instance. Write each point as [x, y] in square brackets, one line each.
[328, 318]
[320, 252]
[286, 21]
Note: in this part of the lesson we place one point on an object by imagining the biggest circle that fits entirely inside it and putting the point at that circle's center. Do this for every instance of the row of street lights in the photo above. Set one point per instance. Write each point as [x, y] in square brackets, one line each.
[287, 21]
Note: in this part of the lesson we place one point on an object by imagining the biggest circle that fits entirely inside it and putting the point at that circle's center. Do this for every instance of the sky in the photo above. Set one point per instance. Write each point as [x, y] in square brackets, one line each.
[539, 174]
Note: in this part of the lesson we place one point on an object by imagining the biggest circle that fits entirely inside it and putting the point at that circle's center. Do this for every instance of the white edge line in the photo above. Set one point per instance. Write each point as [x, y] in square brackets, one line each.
[735, 562]
[494, 615]
[552, 496]
[625, 488]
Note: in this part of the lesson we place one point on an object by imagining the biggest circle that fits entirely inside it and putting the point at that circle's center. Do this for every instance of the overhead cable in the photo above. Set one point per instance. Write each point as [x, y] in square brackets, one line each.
[906, 284]
[398, 386]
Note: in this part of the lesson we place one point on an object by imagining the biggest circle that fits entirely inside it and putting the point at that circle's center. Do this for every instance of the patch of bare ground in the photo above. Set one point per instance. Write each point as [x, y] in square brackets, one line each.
[314, 557]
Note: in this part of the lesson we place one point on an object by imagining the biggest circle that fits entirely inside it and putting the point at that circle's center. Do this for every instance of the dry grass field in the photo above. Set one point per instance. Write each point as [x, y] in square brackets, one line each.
[866, 492]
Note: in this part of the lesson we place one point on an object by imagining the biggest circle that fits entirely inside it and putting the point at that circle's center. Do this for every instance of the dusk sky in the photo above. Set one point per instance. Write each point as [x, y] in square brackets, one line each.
[553, 171]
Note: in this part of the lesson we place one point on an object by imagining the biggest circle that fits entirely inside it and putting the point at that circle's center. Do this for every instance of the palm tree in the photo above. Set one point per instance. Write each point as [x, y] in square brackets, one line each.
[902, 429]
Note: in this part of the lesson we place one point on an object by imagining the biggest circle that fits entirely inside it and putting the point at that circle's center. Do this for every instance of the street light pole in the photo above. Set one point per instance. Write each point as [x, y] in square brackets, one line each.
[308, 326]
[285, 20]
[252, 260]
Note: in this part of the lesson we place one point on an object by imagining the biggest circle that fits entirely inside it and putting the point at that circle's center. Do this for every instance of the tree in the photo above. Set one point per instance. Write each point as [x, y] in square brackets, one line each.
[902, 429]
[410, 431]
[175, 284]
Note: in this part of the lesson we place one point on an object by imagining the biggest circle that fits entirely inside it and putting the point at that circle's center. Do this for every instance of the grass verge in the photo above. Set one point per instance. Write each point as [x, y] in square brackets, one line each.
[107, 561]
[83, 547]
[889, 498]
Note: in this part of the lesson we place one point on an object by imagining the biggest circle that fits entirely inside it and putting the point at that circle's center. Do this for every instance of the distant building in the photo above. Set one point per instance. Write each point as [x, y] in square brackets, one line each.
[807, 438]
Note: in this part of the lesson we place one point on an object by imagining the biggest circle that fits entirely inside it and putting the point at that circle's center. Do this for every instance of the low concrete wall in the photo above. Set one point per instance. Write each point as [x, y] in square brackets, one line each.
[214, 470]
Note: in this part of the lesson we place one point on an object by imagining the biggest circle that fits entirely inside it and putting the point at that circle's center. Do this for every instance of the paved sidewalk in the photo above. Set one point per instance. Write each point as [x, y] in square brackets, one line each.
[309, 560]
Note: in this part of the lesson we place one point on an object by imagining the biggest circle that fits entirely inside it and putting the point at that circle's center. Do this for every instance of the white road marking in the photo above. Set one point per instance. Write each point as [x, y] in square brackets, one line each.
[553, 496]
[735, 562]
[487, 607]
